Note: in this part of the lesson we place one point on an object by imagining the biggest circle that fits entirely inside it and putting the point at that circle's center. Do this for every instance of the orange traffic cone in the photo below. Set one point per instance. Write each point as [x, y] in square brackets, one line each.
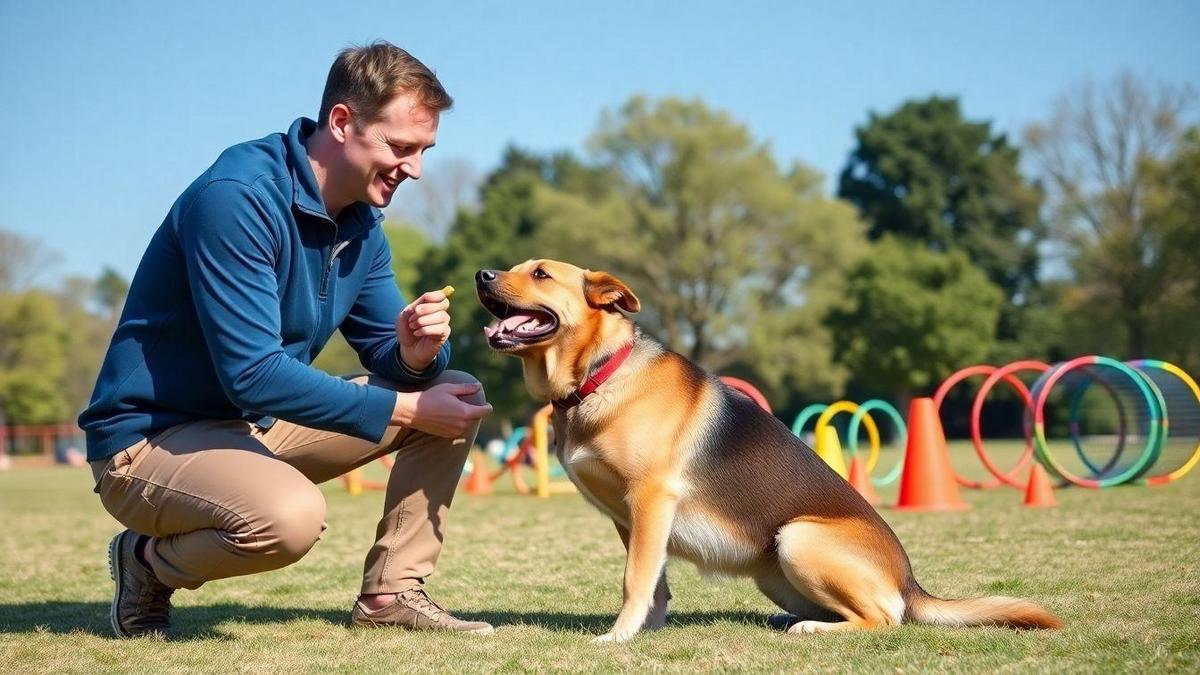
[861, 482]
[478, 482]
[1039, 492]
[927, 483]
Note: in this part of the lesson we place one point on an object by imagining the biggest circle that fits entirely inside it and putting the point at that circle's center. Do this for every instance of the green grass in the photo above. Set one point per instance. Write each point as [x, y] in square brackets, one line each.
[1120, 566]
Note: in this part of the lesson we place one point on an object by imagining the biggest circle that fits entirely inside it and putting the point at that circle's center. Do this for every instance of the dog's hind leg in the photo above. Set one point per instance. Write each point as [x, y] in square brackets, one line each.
[844, 566]
[773, 584]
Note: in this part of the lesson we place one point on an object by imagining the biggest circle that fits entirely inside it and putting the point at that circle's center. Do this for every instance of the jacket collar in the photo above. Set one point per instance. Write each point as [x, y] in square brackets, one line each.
[306, 194]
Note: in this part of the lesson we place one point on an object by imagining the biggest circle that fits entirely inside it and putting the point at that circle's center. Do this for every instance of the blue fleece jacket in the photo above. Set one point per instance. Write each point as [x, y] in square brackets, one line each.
[238, 291]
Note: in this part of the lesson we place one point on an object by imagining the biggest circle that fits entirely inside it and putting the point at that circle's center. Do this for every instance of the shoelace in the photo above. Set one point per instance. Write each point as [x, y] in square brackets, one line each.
[418, 599]
[158, 603]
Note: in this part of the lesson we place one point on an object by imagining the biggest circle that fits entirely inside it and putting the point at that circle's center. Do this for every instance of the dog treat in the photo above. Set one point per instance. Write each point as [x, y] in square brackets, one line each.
[448, 290]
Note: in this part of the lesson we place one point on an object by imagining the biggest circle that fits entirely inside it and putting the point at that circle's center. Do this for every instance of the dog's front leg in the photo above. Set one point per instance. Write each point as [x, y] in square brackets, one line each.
[657, 617]
[651, 513]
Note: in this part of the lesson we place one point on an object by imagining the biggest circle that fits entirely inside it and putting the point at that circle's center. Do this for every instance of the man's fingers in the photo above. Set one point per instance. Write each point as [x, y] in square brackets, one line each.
[440, 331]
[478, 412]
[429, 297]
[429, 319]
[426, 308]
[464, 388]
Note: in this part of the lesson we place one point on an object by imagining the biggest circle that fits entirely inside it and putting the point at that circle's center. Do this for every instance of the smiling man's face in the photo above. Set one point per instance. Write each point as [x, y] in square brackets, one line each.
[380, 155]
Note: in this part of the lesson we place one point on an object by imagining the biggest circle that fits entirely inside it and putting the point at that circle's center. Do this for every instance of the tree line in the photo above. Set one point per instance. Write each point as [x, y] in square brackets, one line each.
[946, 243]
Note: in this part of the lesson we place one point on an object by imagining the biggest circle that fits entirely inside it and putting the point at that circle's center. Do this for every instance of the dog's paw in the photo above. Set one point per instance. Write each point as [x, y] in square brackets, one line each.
[612, 637]
[811, 627]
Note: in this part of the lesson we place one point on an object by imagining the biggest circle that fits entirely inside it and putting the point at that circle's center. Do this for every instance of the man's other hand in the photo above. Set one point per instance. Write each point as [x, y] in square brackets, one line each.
[440, 410]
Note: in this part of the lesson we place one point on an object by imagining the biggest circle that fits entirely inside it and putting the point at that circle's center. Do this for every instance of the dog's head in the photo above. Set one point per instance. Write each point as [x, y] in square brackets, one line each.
[543, 304]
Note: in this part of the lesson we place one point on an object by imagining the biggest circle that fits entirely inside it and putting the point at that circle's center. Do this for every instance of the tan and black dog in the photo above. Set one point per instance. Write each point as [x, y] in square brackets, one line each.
[685, 466]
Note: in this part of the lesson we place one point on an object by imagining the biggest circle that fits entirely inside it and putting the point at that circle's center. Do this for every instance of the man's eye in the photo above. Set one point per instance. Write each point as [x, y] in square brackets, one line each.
[540, 273]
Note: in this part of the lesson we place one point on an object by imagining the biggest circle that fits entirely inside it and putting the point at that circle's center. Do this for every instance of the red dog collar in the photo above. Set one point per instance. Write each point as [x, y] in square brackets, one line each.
[592, 383]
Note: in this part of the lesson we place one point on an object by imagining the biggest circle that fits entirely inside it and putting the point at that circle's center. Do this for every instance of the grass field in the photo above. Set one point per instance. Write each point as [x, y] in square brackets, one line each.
[1120, 566]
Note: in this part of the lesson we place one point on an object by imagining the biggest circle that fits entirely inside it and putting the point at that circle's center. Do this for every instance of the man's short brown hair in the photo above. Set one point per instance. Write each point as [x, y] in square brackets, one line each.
[367, 78]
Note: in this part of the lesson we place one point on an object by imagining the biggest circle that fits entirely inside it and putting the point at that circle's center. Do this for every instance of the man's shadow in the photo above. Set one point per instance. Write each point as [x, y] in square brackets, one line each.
[201, 622]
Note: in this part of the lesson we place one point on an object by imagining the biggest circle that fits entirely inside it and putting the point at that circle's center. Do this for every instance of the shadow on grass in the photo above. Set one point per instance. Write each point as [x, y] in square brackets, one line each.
[192, 623]
[599, 623]
[200, 622]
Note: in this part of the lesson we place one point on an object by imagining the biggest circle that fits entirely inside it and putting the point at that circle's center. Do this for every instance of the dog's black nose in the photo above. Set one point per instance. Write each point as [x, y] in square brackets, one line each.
[485, 277]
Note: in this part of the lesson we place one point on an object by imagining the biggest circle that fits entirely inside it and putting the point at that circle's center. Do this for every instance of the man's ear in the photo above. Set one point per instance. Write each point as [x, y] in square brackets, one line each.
[340, 117]
[604, 290]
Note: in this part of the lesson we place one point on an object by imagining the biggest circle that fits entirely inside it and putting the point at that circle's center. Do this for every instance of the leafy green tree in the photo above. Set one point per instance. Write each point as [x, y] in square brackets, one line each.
[925, 173]
[1101, 153]
[88, 331]
[33, 359]
[913, 316]
[1173, 215]
[110, 290]
[409, 247]
[735, 260]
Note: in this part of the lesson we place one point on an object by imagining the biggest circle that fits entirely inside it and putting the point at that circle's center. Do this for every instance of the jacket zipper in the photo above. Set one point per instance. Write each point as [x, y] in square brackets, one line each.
[333, 253]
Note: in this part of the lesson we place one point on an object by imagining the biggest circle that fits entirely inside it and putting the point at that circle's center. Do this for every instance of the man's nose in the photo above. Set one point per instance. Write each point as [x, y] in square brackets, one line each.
[412, 168]
[485, 277]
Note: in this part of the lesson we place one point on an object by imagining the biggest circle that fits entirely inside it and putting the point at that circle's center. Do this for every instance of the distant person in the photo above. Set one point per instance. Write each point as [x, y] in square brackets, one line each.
[209, 429]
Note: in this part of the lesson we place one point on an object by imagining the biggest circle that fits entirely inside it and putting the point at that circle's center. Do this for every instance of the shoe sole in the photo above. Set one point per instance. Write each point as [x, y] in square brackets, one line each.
[114, 571]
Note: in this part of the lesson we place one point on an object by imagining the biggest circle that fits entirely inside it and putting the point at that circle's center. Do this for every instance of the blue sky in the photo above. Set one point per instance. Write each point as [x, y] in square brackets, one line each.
[112, 108]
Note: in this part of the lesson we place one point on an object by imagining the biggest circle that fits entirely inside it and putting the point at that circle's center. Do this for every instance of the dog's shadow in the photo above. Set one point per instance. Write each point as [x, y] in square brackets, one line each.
[202, 622]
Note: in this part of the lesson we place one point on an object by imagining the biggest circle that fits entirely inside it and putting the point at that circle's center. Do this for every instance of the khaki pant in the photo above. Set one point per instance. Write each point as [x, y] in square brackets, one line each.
[224, 498]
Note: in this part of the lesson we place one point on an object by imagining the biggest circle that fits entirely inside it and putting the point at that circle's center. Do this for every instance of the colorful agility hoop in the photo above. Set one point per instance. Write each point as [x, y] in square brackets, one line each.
[940, 396]
[901, 435]
[1145, 367]
[1004, 372]
[748, 389]
[1122, 423]
[872, 430]
[1156, 427]
[822, 410]
[802, 418]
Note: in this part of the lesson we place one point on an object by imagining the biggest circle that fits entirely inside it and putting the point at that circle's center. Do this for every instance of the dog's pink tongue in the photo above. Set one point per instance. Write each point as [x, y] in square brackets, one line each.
[509, 324]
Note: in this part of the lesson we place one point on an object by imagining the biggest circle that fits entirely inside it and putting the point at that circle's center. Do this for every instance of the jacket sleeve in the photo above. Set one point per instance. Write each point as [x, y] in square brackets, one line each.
[229, 247]
[370, 327]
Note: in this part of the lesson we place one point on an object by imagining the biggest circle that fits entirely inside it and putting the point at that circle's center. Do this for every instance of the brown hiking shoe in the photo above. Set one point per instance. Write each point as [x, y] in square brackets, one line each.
[415, 610]
[141, 604]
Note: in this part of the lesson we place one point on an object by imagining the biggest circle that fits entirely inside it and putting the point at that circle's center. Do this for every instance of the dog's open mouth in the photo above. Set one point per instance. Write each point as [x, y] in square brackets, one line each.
[516, 326]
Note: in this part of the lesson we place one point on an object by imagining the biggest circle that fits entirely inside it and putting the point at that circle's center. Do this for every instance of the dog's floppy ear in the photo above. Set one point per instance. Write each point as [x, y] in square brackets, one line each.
[604, 290]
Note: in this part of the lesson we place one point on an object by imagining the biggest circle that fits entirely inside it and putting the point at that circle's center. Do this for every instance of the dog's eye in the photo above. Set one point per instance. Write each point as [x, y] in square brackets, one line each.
[540, 273]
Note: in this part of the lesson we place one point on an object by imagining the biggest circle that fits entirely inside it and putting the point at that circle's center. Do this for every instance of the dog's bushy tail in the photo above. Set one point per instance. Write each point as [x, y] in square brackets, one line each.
[921, 607]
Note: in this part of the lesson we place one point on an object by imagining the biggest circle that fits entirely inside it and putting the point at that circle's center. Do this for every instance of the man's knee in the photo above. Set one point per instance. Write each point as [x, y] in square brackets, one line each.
[449, 376]
[290, 526]
[459, 377]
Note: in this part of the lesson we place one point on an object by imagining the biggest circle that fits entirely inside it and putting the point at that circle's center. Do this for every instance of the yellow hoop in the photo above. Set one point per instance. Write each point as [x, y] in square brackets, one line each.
[872, 430]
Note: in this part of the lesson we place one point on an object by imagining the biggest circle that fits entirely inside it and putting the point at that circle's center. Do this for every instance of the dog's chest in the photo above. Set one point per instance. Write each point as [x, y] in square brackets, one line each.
[696, 534]
[597, 481]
